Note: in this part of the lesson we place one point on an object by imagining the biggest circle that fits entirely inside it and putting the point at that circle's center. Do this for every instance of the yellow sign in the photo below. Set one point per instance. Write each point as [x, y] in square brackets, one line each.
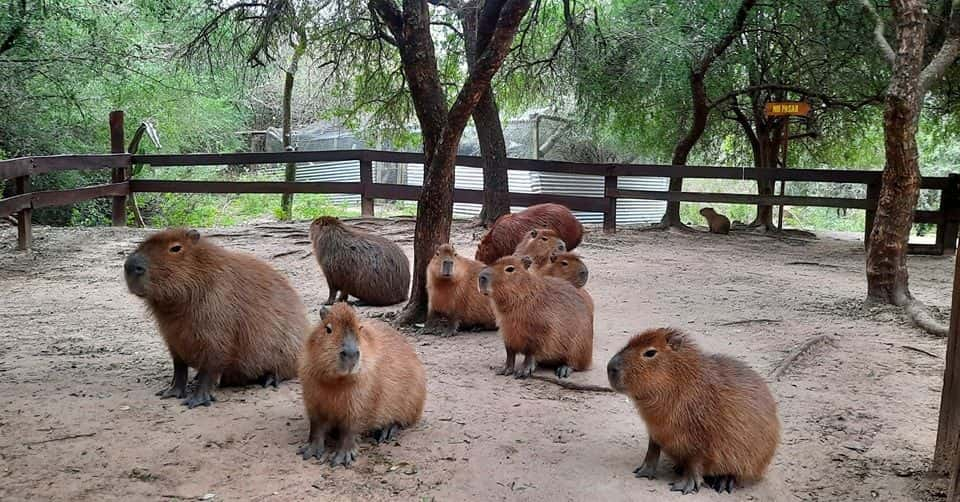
[787, 108]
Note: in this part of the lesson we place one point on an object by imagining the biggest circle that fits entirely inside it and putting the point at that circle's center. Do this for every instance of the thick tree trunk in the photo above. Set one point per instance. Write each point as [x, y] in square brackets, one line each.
[767, 149]
[290, 172]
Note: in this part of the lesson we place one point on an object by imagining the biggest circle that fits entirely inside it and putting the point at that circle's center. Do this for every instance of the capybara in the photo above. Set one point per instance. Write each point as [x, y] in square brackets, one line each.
[453, 294]
[568, 266]
[718, 223]
[711, 413]
[540, 244]
[371, 268]
[543, 318]
[507, 232]
[229, 315]
[357, 377]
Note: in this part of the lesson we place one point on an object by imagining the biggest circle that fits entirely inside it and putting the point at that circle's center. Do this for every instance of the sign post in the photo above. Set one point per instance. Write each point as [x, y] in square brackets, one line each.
[785, 109]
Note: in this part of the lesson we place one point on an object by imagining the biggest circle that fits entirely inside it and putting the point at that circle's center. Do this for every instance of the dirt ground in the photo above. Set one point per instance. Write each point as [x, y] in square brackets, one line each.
[80, 361]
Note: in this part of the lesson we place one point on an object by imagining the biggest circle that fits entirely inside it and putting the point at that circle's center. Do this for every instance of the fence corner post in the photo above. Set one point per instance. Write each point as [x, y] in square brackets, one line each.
[366, 181]
[949, 203]
[24, 217]
[118, 175]
[873, 198]
[610, 211]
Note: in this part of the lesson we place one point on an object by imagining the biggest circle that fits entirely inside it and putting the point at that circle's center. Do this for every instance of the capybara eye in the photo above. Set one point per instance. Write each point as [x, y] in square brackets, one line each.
[564, 263]
[544, 239]
[176, 248]
[329, 329]
[650, 353]
[509, 269]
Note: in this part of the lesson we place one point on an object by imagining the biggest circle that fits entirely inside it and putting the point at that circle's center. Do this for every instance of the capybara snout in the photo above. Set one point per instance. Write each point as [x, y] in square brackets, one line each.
[446, 267]
[134, 272]
[485, 281]
[350, 353]
[614, 373]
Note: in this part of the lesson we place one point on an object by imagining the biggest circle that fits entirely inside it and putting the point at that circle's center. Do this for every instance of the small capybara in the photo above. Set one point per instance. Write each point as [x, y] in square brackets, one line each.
[507, 232]
[229, 315]
[453, 294]
[357, 378]
[371, 268]
[711, 413]
[540, 244]
[566, 265]
[718, 223]
[543, 318]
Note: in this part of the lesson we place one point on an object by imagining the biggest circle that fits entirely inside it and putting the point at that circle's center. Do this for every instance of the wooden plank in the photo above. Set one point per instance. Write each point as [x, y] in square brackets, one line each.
[610, 211]
[24, 217]
[118, 175]
[66, 197]
[575, 203]
[948, 429]
[13, 168]
[367, 202]
[244, 186]
[737, 173]
[222, 159]
[873, 194]
[11, 205]
[737, 198]
[926, 216]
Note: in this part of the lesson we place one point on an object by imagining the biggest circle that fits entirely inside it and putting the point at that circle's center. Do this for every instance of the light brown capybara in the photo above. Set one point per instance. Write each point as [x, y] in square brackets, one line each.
[371, 268]
[540, 244]
[453, 294]
[711, 413]
[507, 232]
[357, 377]
[567, 266]
[718, 223]
[229, 315]
[543, 318]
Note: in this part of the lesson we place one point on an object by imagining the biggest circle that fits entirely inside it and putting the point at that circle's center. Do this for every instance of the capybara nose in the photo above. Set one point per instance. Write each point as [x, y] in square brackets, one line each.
[613, 370]
[447, 268]
[483, 280]
[351, 353]
[135, 266]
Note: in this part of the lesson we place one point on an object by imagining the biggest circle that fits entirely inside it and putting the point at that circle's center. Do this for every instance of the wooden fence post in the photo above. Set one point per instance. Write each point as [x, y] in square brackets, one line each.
[24, 217]
[873, 194]
[953, 490]
[610, 212]
[950, 202]
[366, 180]
[118, 175]
[948, 429]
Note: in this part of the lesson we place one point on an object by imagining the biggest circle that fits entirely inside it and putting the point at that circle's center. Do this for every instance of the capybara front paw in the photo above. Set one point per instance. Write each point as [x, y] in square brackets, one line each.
[385, 434]
[648, 471]
[724, 483]
[343, 457]
[173, 391]
[506, 369]
[199, 399]
[563, 371]
[271, 380]
[687, 485]
[524, 371]
[313, 449]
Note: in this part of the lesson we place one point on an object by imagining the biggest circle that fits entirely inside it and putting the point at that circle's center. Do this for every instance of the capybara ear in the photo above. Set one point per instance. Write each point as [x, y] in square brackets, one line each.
[193, 235]
[533, 233]
[527, 261]
[676, 339]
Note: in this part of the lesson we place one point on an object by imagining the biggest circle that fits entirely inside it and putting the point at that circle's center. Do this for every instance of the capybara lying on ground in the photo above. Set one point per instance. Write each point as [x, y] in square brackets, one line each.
[718, 223]
[453, 294]
[711, 413]
[357, 377]
[540, 244]
[543, 318]
[371, 268]
[507, 232]
[228, 315]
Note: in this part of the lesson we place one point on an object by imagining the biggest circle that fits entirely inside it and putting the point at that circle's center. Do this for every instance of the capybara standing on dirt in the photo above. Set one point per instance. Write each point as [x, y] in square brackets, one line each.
[543, 318]
[718, 223]
[453, 294]
[357, 377]
[540, 244]
[371, 268]
[507, 232]
[711, 413]
[229, 315]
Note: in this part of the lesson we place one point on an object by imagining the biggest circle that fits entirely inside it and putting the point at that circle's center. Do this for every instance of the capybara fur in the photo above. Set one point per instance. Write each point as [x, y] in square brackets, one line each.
[453, 294]
[543, 318]
[358, 377]
[369, 267]
[718, 223]
[540, 244]
[567, 266]
[711, 413]
[228, 315]
[507, 232]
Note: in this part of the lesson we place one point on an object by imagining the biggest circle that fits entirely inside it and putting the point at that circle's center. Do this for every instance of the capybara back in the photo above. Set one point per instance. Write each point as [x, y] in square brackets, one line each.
[509, 230]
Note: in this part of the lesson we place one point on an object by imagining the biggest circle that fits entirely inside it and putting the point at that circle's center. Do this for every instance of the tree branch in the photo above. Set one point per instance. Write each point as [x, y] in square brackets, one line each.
[826, 99]
[878, 35]
[738, 21]
[947, 53]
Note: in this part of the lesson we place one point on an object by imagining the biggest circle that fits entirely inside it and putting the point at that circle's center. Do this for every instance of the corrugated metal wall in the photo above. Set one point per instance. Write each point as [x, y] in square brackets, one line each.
[345, 171]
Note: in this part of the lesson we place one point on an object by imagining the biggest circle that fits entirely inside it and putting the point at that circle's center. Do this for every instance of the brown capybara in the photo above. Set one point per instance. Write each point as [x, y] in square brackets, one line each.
[453, 294]
[229, 315]
[507, 232]
[540, 244]
[371, 268]
[568, 266]
[357, 377]
[718, 223]
[711, 413]
[543, 318]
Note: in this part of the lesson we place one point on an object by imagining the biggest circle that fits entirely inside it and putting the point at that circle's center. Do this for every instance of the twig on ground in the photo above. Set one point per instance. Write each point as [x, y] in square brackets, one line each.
[915, 349]
[566, 384]
[751, 321]
[63, 438]
[811, 263]
[286, 253]
[795, 354]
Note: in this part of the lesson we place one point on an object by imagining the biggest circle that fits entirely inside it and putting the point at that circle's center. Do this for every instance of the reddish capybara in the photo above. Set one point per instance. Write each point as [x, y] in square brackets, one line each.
[229, 315]
[567, 266]
[371, 268]
[539, 244]
[718, 223]
[453, 294]
[711, 413]
[507, 232]
[357, 377]
[543, 318]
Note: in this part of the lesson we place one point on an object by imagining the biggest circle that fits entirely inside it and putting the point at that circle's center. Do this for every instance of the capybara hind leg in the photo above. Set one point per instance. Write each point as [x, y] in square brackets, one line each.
[202, 395]
[343, 296]
[691, 480]
[563, 371]
[271, 380]
[332, 296]
[510, 363]
[527, 368]
[346, 451]
[387, 433]
[722, 483]
[648, 469]
[178, 388]
[314, 447]
[453, 325]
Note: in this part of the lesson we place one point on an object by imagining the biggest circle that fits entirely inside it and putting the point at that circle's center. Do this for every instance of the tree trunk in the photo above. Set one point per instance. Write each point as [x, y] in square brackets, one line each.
[766, 156]
[290, 173]
[698, 90]
[887, 279]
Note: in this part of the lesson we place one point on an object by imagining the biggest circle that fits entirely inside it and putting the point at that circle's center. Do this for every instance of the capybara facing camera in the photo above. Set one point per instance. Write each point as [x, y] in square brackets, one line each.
[452, 292]
[540, 244]
[711, 413]
[229, 315]
[371, 268]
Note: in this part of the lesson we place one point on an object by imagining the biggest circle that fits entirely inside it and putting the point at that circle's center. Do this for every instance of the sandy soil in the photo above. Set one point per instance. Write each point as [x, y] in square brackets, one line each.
[81, 361]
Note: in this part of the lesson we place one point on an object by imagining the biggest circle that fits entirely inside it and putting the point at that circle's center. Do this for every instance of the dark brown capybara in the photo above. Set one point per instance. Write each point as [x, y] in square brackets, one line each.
[369, 267]
[711, 413]
[357, 377]
[509, 230]
[540, 244]
[718, 223]
[453, 294]
[229, 315]
[543, 318]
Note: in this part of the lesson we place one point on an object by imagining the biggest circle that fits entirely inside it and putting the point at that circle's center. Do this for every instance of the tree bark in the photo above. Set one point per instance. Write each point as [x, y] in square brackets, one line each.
[290, 171]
